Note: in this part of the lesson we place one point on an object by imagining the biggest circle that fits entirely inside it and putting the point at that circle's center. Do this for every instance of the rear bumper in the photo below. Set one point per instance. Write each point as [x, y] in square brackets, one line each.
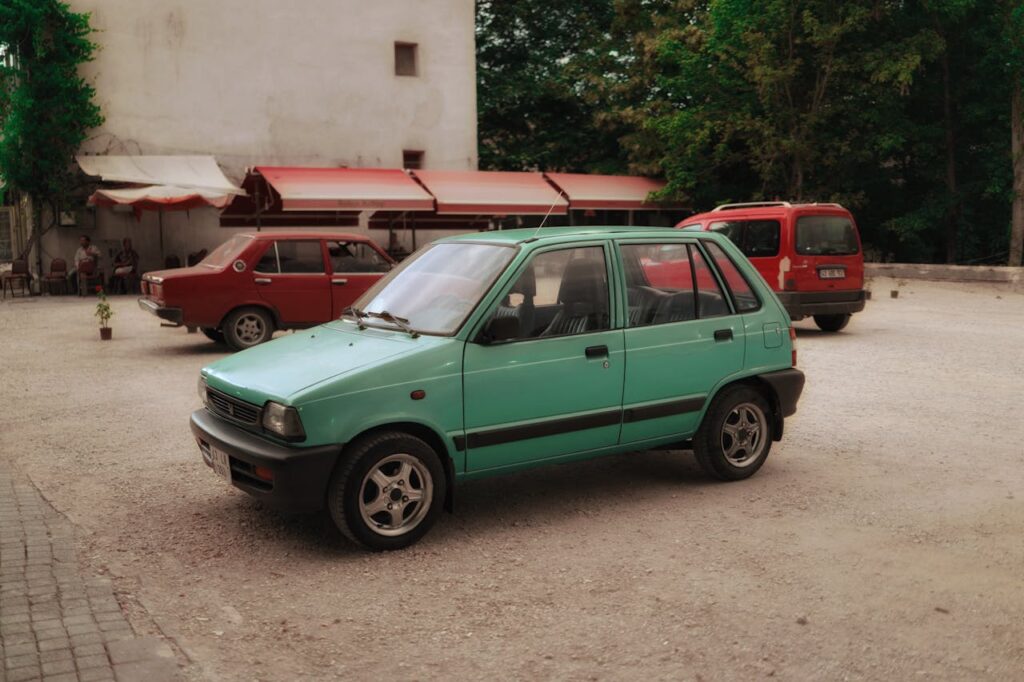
[300, 475]
[172, 315]
[788, 384]
[801, 304]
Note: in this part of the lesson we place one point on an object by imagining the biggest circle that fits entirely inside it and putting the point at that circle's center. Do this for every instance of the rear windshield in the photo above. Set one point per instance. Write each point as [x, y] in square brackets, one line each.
[756, 238]
[825, 235]
[226, 252]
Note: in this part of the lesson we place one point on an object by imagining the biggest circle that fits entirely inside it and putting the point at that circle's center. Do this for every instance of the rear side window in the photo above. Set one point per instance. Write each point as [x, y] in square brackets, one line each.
[710, 297]
[746, 299]
[292, 257]
[756, 238]
[825, 235]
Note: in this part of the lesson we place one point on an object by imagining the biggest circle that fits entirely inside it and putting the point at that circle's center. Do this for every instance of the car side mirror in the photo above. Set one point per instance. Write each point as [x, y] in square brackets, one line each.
[499, 329]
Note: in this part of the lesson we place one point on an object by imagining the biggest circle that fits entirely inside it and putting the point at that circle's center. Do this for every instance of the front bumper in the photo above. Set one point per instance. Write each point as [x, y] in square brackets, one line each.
[801, 304]
[300, 475]
[172, 315]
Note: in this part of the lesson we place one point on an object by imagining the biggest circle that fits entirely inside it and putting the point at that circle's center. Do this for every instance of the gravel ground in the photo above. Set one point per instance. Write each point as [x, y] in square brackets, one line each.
[882, 539]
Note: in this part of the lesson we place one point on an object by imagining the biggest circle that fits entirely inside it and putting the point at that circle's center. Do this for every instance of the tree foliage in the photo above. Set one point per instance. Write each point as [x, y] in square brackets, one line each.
[901, 111]
[46, 107]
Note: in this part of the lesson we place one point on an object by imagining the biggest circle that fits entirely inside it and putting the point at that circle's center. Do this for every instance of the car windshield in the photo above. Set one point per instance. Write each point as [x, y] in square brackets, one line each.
[226, 252]
[825, 235]
[436, 289]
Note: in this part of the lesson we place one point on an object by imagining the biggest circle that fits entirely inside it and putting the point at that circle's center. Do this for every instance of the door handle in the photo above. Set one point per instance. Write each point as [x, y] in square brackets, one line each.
[723, 335]
[597, 351]
[262, 280]
[339, 282]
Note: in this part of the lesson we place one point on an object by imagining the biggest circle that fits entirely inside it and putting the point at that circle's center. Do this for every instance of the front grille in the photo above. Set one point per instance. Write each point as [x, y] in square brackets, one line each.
[232, 408]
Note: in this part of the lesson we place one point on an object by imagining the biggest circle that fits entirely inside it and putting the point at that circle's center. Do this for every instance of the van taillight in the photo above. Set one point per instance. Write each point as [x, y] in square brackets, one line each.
[792, 342]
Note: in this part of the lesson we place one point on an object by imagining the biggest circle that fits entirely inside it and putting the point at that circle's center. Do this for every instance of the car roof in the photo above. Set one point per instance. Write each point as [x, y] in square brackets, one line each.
[305, 234]
[532, 234]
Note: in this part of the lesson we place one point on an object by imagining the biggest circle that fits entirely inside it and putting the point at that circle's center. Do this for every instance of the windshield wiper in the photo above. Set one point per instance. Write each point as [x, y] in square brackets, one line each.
[400, 322]
[356, 313]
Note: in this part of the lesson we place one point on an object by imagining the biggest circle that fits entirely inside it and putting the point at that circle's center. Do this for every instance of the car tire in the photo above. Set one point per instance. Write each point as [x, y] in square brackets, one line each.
[215, 335]
[832, 323]
[735, 437]
[387, 491]
[247, 327]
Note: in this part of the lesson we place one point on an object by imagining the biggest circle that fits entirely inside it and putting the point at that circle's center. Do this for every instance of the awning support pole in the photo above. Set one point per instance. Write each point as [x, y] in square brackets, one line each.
[160, 213]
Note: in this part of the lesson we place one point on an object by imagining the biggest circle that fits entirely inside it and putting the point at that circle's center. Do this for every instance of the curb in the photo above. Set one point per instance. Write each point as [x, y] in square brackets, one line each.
[948, 273]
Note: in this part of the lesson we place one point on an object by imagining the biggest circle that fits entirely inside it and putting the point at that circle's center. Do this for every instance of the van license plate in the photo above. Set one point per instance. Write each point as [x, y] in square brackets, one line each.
[832, 273]
[221, 463]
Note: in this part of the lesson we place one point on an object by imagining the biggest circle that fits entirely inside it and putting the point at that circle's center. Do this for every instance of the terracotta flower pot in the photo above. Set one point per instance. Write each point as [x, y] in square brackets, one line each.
[106, 333]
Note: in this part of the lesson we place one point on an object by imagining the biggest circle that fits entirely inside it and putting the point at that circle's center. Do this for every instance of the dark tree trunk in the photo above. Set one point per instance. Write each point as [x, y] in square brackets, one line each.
[953, 207]
[1017, 151]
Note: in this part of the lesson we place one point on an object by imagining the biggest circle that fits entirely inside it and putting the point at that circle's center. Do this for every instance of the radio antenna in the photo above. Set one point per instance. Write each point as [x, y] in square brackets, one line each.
[550, 209]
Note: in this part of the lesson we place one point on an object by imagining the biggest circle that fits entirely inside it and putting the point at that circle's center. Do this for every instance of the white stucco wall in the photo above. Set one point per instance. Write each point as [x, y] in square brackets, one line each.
[249, 82]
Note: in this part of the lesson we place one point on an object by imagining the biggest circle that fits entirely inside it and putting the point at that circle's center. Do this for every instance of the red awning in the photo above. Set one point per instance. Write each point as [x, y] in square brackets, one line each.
[346, 189]
[492, 192]
[617, 192]
[159, 198]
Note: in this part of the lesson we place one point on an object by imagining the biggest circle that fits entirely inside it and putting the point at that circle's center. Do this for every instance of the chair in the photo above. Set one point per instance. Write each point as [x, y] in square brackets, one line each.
[19, 273]
[87, 275]
[58, 274]
[172, 262]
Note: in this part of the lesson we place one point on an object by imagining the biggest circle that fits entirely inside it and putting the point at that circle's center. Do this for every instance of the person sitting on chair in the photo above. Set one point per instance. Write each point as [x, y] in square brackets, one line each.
[126, 265]
[86, 251]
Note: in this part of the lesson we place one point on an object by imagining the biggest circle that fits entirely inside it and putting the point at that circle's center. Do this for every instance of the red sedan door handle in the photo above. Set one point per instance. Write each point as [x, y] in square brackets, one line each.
[339, 282]
[262, 280]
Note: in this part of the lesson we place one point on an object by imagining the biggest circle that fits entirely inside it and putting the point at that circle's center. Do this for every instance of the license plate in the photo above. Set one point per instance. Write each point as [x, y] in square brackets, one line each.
[832, 273]
[221, 463]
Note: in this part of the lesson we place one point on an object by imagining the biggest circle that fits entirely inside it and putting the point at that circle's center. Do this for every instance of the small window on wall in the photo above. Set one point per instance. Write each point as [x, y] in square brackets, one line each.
[412, 159]
[405, 59]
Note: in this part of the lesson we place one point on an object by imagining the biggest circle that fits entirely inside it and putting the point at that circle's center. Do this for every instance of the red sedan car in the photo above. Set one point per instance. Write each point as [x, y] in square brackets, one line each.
[257, 282]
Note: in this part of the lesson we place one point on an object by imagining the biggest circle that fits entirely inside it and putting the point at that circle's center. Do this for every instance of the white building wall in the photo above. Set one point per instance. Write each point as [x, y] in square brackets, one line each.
[309, 82]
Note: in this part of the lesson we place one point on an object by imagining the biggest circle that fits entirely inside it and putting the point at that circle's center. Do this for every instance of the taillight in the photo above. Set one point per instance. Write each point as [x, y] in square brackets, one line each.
[792, 341]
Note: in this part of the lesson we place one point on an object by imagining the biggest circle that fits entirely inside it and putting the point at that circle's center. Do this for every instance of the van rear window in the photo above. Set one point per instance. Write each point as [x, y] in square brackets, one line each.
[825, 235]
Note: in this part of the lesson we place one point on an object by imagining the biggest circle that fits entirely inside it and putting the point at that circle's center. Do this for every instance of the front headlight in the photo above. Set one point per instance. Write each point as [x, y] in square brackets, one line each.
[201, 389]
[283, 421]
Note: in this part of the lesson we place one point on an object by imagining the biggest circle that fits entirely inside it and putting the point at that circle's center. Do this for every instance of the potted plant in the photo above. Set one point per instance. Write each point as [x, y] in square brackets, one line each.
[104, 312]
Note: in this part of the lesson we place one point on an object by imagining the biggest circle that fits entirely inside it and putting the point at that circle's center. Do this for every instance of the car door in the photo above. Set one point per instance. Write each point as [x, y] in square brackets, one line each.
[291, 277]
[554, 387]
[682, 337]
[355, 267]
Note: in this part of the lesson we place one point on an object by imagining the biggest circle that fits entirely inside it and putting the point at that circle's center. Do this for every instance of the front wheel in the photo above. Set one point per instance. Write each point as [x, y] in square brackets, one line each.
[734, 439]
[387, 491]
[247, 327]
[832, 323]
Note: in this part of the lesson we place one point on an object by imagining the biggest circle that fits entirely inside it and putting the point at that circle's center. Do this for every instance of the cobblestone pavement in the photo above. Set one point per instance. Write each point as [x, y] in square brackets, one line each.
[56, 624]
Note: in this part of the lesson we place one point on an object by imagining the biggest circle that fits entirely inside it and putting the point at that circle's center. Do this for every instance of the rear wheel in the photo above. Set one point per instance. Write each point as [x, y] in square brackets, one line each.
[387, 491]
[247, 327]
[215, 335]
[832, 323]
[735, 437]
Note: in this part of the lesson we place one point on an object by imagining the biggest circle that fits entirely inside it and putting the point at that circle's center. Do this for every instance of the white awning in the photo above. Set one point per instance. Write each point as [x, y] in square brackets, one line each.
[199, 172]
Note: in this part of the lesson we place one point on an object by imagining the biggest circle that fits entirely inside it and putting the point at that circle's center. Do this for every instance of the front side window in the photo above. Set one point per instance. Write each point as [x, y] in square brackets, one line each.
[355, 257]
[825, 235]
[756, 238]
[559, 293]
[436, 289]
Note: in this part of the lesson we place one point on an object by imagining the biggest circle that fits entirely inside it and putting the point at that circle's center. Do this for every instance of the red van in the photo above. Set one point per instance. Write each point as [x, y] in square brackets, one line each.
[257, 282]
[810, 254]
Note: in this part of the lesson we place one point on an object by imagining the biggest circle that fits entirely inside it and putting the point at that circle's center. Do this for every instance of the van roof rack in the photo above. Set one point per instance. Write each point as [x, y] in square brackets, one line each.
[750, 204]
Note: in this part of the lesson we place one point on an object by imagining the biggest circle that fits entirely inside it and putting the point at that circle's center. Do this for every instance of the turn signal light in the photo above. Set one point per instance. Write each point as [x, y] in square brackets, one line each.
[792, 341]
[264, 474]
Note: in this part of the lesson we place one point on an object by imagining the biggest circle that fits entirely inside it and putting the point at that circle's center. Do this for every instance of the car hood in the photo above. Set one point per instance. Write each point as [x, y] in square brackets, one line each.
[287, 365]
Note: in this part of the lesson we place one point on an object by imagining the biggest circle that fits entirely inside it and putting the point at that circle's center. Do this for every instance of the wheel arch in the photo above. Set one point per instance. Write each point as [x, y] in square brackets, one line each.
[763, 387]
[252, 304]
[429, 436]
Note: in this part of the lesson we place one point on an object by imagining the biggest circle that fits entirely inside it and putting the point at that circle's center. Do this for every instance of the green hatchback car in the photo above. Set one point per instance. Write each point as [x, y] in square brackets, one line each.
[488, 353]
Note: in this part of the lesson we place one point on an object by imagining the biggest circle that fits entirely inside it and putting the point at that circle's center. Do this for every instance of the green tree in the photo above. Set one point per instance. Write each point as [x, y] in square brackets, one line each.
[537, 100]
[46, 107]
